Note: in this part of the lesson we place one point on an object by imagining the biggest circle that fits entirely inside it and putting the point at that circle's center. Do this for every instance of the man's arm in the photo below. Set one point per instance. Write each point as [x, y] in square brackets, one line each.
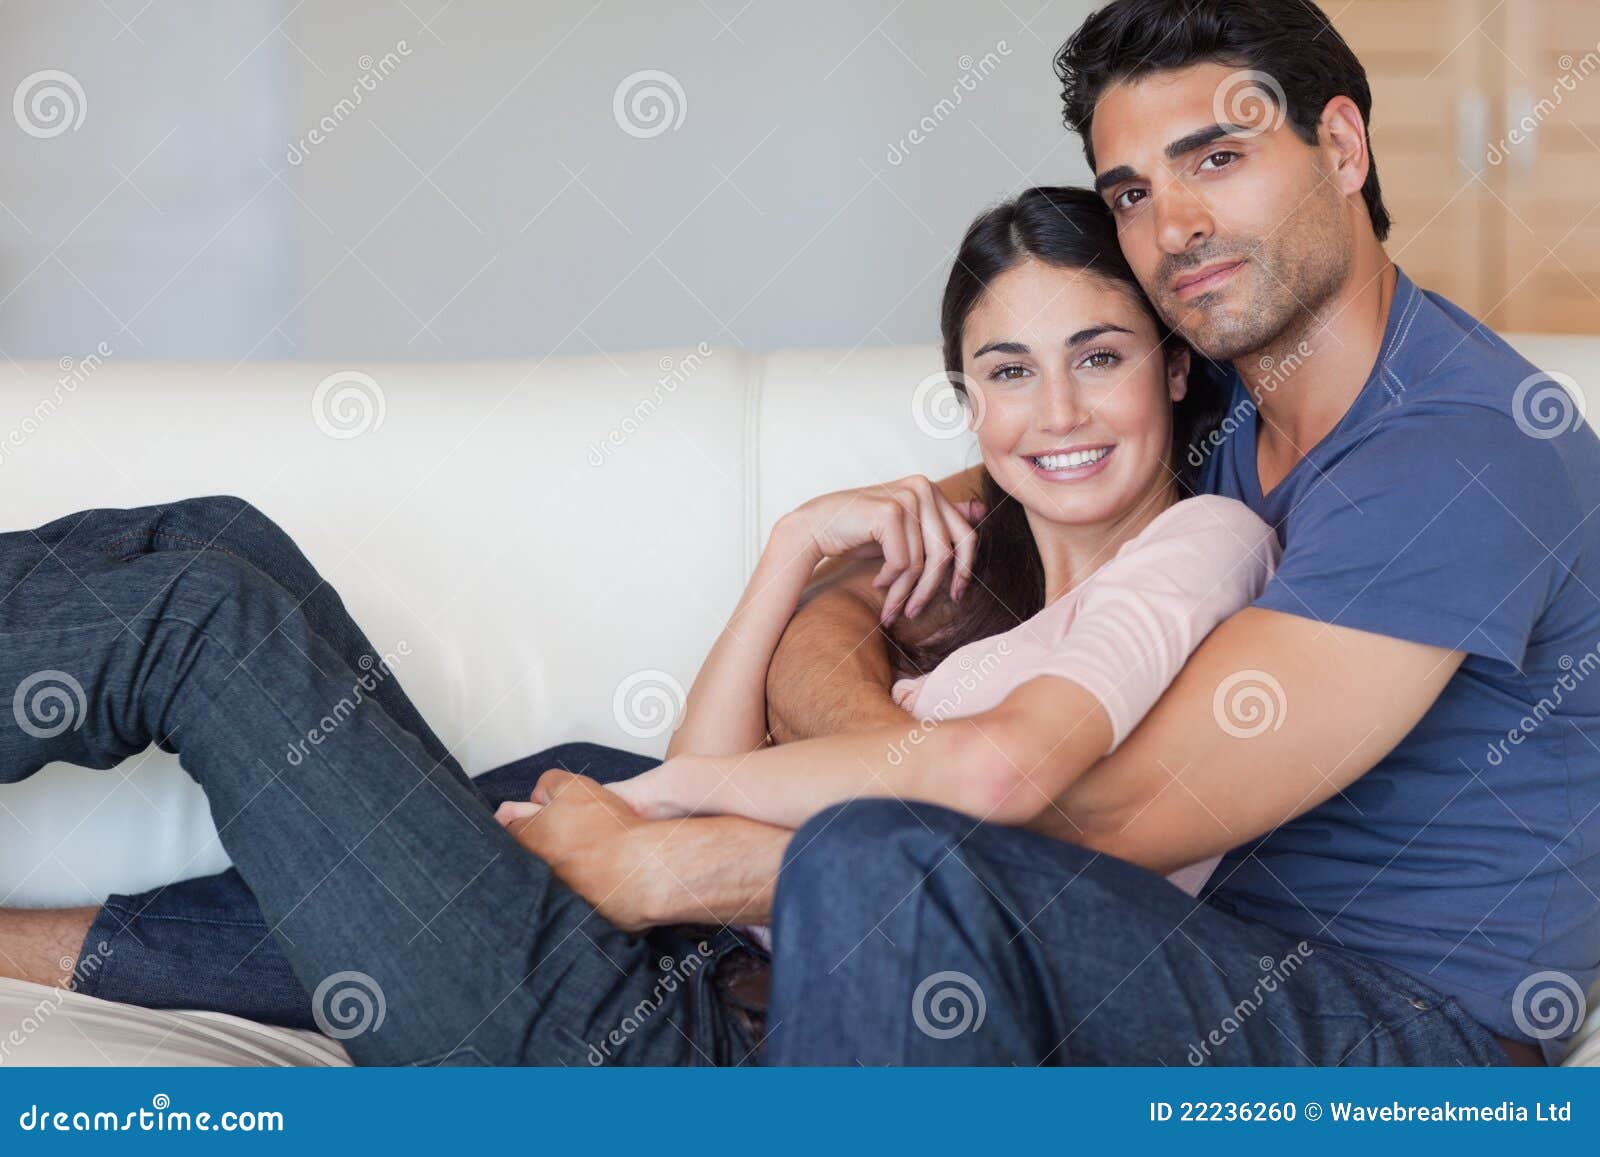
[1273, 715]
[831, 671]
[640, 873]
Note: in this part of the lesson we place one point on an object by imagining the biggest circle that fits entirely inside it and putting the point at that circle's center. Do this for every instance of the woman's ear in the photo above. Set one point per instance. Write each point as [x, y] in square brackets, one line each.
[1178, 374]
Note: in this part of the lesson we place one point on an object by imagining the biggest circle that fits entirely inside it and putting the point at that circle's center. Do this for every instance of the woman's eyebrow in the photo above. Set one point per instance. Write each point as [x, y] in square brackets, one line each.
[1095, 331]
[1001, 347]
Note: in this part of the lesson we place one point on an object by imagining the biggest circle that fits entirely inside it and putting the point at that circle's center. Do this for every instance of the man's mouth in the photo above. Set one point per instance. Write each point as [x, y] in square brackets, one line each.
[1203, 281]
[1071, 465]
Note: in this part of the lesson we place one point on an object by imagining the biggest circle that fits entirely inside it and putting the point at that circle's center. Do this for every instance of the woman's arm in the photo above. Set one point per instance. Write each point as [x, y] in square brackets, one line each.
[726, 710]
[919, 539]
[831, 671]
[1007, 764]
[1134, 625]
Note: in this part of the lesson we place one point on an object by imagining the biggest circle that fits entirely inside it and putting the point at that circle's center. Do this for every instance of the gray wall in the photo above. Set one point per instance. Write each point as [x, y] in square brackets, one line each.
[472, 191]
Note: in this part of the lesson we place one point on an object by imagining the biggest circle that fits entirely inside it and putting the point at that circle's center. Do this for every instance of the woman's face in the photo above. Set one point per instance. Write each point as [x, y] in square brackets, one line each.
[1072, 393]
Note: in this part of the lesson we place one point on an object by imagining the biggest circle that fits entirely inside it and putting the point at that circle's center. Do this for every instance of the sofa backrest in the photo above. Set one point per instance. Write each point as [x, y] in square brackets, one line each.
[546, 547]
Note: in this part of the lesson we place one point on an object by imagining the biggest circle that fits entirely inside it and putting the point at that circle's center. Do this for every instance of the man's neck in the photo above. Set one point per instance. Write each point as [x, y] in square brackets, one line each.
[1309, 377]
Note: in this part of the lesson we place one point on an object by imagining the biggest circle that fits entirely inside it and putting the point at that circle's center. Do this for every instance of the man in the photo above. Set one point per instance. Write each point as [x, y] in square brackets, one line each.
[1396, 740]
[1397, 894]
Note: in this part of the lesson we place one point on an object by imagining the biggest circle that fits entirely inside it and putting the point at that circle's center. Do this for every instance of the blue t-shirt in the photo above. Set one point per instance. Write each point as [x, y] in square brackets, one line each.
[1453, 505]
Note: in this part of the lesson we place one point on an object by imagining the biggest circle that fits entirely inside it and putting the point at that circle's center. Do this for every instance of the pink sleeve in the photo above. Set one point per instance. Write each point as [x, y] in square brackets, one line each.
[904, 692]
[1141, 616]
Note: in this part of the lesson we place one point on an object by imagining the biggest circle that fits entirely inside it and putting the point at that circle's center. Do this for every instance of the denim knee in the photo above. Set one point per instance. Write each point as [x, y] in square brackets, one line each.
[865, 856]
[221, 595]
[217, 516]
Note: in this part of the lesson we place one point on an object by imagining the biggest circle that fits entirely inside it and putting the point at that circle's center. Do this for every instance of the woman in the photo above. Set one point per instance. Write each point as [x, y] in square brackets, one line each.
[375, 897]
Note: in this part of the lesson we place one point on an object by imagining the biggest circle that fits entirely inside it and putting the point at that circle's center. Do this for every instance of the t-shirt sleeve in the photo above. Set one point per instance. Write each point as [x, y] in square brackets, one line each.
[1444, 525]
[1141, 616]
[904, 691]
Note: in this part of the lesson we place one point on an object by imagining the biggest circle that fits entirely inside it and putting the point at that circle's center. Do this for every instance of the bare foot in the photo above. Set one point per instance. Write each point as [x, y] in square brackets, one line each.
[42, 944]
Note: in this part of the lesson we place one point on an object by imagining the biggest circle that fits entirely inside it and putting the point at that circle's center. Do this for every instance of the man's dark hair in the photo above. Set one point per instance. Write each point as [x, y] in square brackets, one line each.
[1289, 40]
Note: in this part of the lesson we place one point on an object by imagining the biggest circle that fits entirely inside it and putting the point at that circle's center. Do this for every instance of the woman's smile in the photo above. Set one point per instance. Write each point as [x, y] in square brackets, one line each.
[1073, 465]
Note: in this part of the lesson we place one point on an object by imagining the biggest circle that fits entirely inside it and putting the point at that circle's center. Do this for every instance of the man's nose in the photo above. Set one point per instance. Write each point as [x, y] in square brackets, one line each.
[1182, 220]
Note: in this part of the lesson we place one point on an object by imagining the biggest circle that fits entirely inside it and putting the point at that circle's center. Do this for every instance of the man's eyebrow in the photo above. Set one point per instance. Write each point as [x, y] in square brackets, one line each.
[1198, 139]
[1001, 347]
[1113, 177]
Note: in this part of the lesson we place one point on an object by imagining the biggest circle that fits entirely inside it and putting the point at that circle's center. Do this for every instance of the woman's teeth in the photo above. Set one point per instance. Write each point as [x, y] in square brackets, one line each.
[1071, 461]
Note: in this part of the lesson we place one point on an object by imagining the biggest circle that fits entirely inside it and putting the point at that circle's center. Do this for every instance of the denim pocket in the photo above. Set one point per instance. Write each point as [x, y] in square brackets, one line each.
[467, 1056]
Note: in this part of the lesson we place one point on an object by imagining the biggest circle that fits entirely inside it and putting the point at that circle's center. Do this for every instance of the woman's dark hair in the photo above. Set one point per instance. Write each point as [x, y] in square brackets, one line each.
[1290, 41]
[1070, 229]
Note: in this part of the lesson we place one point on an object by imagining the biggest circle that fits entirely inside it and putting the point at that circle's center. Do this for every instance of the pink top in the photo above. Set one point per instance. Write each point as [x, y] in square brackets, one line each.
[1124, 632]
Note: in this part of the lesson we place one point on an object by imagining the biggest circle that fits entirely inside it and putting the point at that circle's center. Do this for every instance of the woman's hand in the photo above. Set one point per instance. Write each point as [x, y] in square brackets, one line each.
[920, 534]
[657, 794]
[665, 792]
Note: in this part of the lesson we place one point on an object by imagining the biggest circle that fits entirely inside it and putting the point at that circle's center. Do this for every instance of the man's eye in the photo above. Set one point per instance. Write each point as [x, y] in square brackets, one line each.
[1128, 198]
[1219, 160]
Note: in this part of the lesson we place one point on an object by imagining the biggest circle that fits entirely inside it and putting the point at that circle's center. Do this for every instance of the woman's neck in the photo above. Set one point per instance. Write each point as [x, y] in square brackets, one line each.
[1072, 552]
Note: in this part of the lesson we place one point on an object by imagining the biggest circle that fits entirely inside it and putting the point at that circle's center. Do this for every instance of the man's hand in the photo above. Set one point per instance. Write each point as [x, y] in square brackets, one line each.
[590, 838]
[639, 873]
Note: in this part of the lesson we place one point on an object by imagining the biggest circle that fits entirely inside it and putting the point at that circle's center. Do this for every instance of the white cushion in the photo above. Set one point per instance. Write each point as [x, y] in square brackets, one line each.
[50, 1026]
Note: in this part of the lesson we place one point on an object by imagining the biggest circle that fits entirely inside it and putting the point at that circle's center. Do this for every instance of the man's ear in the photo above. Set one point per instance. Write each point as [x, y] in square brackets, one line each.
[1178, 374]
[1344, 135]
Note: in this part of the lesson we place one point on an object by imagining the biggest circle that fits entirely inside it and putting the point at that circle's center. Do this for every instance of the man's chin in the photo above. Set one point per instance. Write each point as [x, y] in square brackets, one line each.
[1221, 333]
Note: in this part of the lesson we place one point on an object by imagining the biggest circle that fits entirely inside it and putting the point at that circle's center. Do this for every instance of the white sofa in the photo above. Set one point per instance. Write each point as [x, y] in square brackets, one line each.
[549, 540]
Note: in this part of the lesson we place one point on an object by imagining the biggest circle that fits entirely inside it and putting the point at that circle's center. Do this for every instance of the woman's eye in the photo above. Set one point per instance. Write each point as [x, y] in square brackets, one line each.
[1222, 159]
[1100, 360]
[1008, 373]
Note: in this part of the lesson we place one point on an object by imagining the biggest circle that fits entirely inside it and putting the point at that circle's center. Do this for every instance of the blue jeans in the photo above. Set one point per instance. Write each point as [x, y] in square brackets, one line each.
[374, 867]
[370, 867]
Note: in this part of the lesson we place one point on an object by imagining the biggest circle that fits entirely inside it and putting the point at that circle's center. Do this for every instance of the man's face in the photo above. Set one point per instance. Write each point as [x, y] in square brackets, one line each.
[1229, 219]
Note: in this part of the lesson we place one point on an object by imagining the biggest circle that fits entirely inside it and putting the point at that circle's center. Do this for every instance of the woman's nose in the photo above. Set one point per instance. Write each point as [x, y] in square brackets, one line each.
[1063, 407]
